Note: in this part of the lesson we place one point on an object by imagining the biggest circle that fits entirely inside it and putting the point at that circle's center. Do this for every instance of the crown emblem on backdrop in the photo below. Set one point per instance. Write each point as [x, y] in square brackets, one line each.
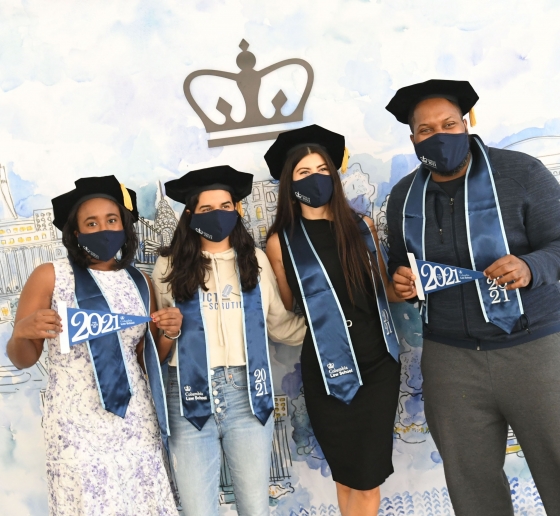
[249, 82]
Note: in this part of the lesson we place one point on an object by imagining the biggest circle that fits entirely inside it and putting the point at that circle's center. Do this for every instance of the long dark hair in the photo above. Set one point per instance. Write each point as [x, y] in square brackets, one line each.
[188, 265]
[352, 251]
[81, 258]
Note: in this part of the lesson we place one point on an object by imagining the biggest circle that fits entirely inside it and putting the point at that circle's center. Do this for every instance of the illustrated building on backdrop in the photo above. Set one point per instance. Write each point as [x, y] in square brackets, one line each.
[260, 210]
[25, 243]
[249, 83]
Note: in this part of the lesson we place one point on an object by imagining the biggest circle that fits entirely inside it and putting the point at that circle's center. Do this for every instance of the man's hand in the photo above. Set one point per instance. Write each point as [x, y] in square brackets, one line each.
[511, 270]
[403, 283]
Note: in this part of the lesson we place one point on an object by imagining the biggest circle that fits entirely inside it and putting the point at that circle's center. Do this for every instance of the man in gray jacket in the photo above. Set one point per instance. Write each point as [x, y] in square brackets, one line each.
[491, 353]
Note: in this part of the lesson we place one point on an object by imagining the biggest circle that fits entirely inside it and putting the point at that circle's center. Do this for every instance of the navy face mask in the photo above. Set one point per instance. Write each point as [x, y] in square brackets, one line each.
[443, 152]
[215, 225]
[102, 245]
[314, 190]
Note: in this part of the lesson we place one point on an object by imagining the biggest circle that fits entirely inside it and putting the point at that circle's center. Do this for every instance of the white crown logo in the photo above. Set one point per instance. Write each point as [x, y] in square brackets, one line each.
[330, 366]
[249, 82]
[187, 388]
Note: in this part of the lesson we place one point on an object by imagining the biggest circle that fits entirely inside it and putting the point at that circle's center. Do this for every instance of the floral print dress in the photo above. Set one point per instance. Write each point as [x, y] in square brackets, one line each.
[97, 462]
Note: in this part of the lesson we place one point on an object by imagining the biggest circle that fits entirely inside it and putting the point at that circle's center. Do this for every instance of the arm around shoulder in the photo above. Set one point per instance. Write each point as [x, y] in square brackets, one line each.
[283, 325]
[274, 255]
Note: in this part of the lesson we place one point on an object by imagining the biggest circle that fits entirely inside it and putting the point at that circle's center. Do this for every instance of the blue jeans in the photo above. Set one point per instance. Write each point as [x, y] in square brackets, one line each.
[196, 455]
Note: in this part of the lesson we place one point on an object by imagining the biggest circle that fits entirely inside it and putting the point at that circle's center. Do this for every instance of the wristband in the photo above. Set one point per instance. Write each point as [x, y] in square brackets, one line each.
[172, 338]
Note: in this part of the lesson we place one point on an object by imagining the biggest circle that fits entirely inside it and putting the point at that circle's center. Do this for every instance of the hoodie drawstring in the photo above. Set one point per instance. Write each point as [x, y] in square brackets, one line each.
[222, 333]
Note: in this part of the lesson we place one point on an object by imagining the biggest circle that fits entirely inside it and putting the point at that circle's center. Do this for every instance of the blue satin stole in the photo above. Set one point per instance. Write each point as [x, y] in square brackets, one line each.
[387, 324]
[485, 233]
[326, 320]
[107, 355]
[194, 379]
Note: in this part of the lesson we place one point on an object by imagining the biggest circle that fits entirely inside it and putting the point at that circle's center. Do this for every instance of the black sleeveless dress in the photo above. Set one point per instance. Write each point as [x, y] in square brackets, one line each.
[356, 439]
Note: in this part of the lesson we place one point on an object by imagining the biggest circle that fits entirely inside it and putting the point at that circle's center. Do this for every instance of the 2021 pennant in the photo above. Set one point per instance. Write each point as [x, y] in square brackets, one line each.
[431, 276]
[81, 325]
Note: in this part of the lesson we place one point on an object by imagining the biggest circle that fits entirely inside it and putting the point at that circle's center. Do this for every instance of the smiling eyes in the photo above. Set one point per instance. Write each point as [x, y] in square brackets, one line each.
[306, 171]
[225, 206]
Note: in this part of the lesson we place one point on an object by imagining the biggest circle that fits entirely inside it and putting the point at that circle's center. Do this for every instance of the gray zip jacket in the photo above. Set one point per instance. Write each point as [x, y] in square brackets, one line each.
[529, 197]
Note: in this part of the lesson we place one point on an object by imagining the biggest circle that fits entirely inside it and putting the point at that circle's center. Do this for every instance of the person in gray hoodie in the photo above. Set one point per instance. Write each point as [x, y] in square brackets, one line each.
[491, 347]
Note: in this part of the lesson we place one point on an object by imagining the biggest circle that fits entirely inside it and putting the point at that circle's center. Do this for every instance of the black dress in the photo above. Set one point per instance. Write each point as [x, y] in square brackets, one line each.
[356, 439]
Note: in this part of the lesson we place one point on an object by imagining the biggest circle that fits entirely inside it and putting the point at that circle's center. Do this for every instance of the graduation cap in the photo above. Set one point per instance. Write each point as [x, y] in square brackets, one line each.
[459, 92]
[106, 187]
[314, 134]
[224, 177]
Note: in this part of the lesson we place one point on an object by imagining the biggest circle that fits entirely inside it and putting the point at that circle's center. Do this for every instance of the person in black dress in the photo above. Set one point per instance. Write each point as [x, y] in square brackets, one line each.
[356, 438]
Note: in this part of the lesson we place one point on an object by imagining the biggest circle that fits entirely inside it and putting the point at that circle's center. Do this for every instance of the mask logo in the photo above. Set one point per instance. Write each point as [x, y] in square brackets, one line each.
[102, 245]
[205, 235]
[444, 152]
[215, 225]
[303, 198]
[314, 190]
[429, 162]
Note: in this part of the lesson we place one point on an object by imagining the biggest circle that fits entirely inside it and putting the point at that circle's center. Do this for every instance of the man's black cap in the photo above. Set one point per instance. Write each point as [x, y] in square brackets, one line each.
[224, 177]
[276, 156]
[406, 99]
[107, 187]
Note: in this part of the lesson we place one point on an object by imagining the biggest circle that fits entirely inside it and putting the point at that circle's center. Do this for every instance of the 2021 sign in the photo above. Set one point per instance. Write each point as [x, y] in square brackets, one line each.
[83, 325]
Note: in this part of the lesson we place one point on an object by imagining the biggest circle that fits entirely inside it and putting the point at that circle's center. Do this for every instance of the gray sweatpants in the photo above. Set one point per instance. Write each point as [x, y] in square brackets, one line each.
[471, 397]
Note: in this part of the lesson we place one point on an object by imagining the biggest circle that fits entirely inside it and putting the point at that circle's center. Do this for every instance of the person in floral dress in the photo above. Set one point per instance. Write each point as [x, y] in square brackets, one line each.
[98, 462]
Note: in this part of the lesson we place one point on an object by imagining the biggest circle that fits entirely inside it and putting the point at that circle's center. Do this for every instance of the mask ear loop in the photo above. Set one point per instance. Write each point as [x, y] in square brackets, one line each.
[120, 252]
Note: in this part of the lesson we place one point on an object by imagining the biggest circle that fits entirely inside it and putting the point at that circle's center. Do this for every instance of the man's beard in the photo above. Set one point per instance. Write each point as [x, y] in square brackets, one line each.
[451, 173]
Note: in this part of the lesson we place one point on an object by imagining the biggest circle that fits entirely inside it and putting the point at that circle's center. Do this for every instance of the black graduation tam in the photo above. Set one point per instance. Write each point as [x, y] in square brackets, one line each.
[239, 184]
[107, 187]
[404, 101]
[314, 134]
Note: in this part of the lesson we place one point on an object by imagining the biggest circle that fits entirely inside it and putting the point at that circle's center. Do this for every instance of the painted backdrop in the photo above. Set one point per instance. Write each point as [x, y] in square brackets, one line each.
[96, 88]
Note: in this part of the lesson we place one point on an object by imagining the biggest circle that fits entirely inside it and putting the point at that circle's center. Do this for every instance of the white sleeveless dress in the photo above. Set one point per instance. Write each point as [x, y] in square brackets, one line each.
[99, 463]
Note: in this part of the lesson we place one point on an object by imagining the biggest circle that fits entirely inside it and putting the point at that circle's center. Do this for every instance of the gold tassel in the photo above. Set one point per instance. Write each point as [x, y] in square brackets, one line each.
[239, 208]
[127, 200]
[472, 117]
[345, 159]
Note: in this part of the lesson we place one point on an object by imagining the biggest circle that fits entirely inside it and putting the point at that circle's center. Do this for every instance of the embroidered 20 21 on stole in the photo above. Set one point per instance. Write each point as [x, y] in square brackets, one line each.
[193, 363]
[485, 233]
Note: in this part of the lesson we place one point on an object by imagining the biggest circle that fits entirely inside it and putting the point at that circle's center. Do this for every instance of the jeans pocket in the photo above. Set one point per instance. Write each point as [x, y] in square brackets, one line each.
[239, 381]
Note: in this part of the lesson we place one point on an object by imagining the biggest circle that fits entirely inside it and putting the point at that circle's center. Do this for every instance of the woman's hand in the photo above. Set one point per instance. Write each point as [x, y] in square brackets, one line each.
[41, 324]
[169, 320]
